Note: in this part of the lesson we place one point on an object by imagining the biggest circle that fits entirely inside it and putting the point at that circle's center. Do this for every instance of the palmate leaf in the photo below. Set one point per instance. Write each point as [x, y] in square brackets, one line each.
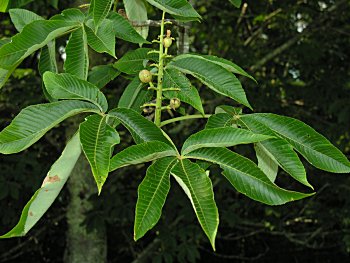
[176, 7]
[221, 137]
[135, 95]
[313, 146]
[136, 11]
[212, 75]
[246, 177]
[188, 94]
[22, 17]
[33, 37]
[51, 187]
[99, 10]
[141, 129]
[97, 139]
[134, 61]
[141, 153]
[77, 60]
[34, 121]
[268, 151]
[101, 75]
[102, 40]
[123, 29]
[152, 193]
[199, 189]
[66, 86]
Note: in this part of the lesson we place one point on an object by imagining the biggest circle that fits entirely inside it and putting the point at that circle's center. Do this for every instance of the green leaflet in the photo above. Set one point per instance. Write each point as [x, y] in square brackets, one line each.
[221, 137]
[33, 37]
[101, 75]
[99, 10]
[141, 153]
[70, 15]
[136, 11]
[34, 121]
[236, 3]
[198, 187]
[152, 193]
[48, 62]
[123, 29]
[97, 139]
[188, 94]
[212, 75]
[313, 146]
[246, 177]
[102, 40]
[141, 129]
[66, 86]
[134, 61]
[51, 187]
[22, 17]
[176, 7]
[228, 65]
[77, 60]
[135, 95]
[219, 120]
[266, 162]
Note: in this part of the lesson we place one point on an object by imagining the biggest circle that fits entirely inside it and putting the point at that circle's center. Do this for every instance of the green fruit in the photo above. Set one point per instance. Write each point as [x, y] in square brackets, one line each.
[145, 76]
[167, 42]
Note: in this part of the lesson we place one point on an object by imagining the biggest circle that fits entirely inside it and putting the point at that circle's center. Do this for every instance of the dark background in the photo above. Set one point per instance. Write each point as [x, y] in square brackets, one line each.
[299, 52]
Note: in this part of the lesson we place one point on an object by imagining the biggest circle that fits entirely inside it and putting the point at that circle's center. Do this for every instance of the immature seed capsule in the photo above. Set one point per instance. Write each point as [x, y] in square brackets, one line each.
[167, 42]
[175, 103]
[145, 76]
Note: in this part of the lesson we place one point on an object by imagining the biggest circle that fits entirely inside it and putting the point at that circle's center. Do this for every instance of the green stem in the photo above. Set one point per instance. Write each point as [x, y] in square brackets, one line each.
[158, 113]
[187, 117]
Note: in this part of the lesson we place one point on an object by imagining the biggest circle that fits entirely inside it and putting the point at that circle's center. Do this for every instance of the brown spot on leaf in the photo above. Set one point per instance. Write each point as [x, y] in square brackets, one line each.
[51, 179]
[30, 214]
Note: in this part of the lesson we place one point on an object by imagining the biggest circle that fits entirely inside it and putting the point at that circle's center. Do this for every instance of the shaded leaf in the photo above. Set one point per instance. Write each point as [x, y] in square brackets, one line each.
[123, 29]
[133, 61]
[101, 75]
[77, 55]
[135, 95]
[188, 94]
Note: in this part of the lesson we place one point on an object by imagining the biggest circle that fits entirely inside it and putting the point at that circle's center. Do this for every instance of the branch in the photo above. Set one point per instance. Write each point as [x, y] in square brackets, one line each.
[310, 29]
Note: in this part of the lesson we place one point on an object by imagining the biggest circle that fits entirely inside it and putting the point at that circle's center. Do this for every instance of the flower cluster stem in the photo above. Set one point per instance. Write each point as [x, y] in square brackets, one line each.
[158, 113]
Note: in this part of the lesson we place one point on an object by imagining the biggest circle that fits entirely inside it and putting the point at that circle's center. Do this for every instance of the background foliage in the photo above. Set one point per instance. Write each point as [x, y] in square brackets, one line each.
[298, 51]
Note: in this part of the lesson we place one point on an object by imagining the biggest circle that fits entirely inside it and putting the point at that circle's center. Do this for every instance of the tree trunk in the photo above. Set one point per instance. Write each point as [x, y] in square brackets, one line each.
[82, 246]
